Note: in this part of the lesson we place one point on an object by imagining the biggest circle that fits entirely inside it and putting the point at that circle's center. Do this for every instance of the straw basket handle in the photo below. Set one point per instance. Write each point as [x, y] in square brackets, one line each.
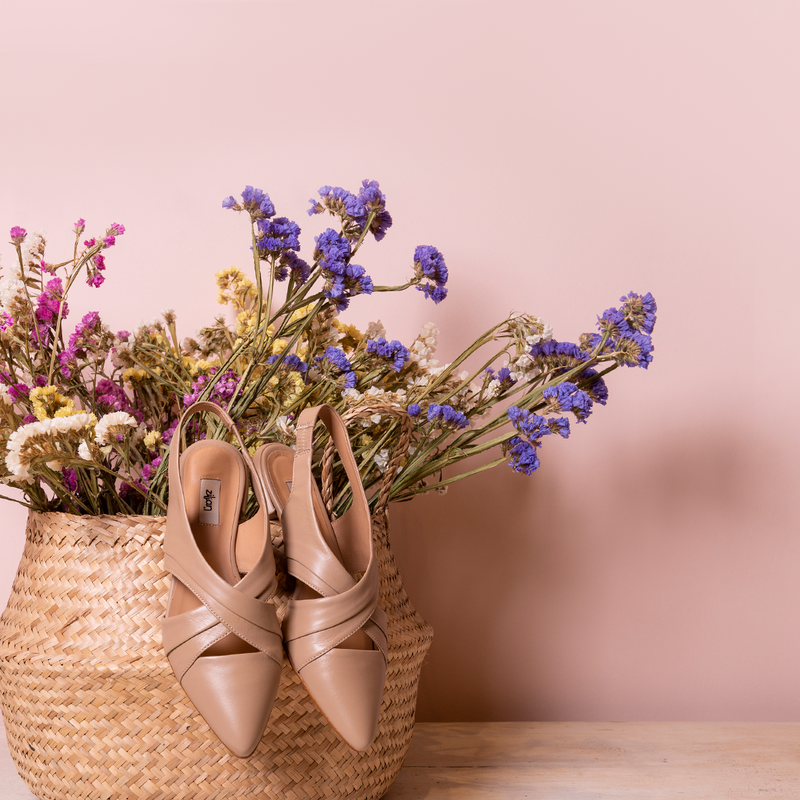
[392, 467]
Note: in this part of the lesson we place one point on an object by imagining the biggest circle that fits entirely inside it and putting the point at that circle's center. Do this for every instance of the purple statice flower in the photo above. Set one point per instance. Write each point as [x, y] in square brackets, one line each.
[595, 387]
[336, 358]
[559, 426]
[433, 292]
[254, 201]
[110, 397]
[414, 409]
[530, 425]
[79, 227]
[84, 337]
[567, 396]
[18, 391]
[291, 362]
[95, 280]
[628, 330]
[123, 336]
[109, 241]
[222, 391]
[290, 263]
[17, 235]
[533, 428]
[447, 415]
[115, 229]
[167, 435]
[257, 203]
[339, 202]
[86, 331]
[332, 251]
[394, 351]
[556, 355]
[50, 301]
[522, 456]
[277, 236]
[373, 200]
[430, 272]
[639, 311]
[343, 280]
[355, 210]
[6, 320]
[28, 418]
[70, 478]
[148, 470]
[503, 375]
[634, 349]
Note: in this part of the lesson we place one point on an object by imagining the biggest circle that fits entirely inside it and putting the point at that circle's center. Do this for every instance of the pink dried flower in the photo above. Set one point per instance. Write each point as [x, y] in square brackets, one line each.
[109, 241]
[116, 229]
[80, 226]
[18, 235]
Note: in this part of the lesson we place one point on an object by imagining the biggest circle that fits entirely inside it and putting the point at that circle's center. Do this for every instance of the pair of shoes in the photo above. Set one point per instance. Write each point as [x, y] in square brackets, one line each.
[220, 631]
[334, 630]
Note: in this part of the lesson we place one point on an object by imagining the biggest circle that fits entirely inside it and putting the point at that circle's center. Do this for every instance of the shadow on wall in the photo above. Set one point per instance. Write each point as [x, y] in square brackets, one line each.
[534, 584]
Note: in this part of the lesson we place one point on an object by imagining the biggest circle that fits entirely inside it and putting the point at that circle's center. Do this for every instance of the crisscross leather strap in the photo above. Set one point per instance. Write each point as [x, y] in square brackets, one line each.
[314, 627]
[242, 608]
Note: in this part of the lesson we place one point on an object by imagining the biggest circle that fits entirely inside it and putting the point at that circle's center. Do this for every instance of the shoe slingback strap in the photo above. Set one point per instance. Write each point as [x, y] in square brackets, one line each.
[242, 609]
[314, 627]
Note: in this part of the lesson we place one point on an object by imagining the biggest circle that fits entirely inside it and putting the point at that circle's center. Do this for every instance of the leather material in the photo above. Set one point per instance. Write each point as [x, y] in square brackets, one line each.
[220, 632]
[334, 630]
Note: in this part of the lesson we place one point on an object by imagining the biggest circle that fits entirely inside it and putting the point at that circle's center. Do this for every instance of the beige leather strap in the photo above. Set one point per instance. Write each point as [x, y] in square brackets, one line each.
[314, 627]
[177, 438]
[240, 608]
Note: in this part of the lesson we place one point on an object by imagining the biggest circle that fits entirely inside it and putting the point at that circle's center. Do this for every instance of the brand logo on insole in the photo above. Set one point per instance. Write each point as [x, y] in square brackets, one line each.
[209, 501]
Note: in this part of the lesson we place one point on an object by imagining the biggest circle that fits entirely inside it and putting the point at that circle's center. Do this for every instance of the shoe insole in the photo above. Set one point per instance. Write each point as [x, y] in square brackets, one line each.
[214, 479]
[278, 464]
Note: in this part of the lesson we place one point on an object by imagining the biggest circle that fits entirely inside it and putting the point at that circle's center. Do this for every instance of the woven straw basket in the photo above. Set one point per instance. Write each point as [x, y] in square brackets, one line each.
[92, 709]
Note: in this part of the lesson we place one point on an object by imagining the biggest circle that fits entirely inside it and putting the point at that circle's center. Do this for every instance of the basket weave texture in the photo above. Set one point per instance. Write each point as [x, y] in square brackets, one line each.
[93, 711]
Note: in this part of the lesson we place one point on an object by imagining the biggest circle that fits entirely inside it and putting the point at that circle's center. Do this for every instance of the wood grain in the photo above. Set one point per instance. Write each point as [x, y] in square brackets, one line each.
[582, 761]
[628, 760]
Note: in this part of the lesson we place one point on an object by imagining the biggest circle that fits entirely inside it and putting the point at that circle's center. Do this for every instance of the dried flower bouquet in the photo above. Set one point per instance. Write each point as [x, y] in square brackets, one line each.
[86, 418]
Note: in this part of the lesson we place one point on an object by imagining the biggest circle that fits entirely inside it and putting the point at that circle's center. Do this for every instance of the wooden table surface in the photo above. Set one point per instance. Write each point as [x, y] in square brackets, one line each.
[582, 760]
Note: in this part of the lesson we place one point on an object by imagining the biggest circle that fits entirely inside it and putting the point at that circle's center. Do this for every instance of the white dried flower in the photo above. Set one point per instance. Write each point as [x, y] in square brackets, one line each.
[33, 250]
[493, 389]
[16, 461]
[84, 452]
[5, 395]
[113, 424]
[375, 330]
[285, 426]
[351, 396]
[12, 295]
[382, 460]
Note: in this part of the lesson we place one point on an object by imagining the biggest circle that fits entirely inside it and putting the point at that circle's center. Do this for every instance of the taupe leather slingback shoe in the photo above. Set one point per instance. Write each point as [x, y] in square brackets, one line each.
[220, 632]
[334, 630]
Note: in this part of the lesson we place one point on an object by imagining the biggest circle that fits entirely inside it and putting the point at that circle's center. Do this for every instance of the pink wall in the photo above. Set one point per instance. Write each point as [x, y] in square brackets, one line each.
[560, 155]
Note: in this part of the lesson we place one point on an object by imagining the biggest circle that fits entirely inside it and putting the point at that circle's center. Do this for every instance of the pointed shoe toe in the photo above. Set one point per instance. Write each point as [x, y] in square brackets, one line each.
[220, 631]
[234, 694]
[347, 686]
[334, 630]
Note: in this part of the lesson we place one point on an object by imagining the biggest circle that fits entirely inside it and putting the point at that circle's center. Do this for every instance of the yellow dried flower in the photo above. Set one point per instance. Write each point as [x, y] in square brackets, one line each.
[235, 288]
[352, 335]
[134, 374]
[152, 439]
[48, 403]
[301, 313]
